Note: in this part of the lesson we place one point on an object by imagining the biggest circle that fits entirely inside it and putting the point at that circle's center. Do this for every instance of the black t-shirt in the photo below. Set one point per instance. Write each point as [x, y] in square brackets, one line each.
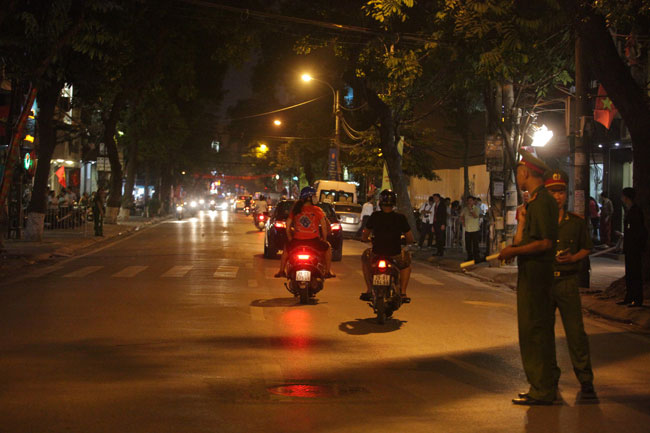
[387, 229]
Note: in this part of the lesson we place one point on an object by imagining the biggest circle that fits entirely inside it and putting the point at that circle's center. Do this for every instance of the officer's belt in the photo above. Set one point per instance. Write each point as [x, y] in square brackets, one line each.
[560, 274]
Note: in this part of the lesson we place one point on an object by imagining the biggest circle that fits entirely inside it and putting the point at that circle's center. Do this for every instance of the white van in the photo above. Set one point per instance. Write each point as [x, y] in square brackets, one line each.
[330, 191]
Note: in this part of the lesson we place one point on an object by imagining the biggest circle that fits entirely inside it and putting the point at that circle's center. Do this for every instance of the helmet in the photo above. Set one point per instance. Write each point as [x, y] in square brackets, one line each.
[307, 192]
[387, 198]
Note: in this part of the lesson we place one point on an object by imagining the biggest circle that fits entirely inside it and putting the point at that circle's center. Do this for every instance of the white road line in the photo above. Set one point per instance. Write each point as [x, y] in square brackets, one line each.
[83, 272]
[226, 272]
[423, 279]
[257, 314]
[177, 272]
[129, 271]
[252, 283]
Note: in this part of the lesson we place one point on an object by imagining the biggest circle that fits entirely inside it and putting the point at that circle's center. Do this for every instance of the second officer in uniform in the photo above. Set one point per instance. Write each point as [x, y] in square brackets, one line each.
[573, 246]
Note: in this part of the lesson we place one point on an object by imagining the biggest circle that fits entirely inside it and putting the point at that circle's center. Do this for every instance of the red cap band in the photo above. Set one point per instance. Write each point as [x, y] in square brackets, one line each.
[532, 166]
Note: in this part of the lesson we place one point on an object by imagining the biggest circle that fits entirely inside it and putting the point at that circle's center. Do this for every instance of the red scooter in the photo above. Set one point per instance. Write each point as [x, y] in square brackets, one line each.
[305, 271]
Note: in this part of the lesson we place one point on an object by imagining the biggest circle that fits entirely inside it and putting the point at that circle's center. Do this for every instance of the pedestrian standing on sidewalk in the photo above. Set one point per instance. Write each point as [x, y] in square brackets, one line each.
[534, 248]
[439, 224]
[426, 217]
[469, 217]
[573, 247]
[606, 212]
[594, 216]
[98, 211]
[635, 237]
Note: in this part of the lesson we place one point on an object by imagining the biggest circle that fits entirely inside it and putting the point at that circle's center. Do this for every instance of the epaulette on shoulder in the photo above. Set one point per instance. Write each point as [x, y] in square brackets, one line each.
[577, 215]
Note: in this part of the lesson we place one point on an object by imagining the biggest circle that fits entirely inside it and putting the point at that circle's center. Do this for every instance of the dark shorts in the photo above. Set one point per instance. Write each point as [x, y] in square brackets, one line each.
[316, 243]
[402, 260]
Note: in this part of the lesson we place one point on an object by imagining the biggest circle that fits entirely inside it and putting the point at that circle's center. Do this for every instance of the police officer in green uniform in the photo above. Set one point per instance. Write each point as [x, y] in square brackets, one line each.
[534, 247]
[573, 246]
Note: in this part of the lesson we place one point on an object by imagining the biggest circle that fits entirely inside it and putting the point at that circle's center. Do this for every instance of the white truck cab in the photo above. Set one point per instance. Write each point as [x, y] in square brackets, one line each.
[330, 191]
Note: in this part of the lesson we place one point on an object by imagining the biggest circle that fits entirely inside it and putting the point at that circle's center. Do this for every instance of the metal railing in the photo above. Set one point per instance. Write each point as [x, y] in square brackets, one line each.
[67, 217]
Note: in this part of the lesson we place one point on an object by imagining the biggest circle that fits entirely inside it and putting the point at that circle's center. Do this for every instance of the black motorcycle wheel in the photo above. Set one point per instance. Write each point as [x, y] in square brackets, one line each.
[304, 295]
[380, 307]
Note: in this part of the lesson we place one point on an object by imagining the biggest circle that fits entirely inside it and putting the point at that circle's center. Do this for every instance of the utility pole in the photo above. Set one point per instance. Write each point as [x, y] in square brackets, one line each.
[337, 136]
[580, 153]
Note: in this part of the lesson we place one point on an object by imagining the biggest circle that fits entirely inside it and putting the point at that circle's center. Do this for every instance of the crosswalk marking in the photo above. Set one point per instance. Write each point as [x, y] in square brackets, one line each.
[177, 272]
[227, 272]
[83, 272]
[423, 279]
[129, 271]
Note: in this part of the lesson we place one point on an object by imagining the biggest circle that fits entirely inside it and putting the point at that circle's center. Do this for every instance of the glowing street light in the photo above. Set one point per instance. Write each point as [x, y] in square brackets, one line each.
[541, 136]
[335, 110]
[277, 122]
[263, 148]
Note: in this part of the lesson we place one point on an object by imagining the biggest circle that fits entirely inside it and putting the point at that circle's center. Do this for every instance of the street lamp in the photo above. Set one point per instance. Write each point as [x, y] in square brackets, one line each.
[277, 122]
[336, 144]
[541, 136]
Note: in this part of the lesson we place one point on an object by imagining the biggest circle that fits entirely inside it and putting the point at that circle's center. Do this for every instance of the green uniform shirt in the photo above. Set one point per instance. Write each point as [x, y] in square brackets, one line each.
[572, 235]
[541, 223]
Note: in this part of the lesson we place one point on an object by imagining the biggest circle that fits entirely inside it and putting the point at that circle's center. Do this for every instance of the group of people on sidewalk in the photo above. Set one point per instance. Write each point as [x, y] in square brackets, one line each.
[435, 216]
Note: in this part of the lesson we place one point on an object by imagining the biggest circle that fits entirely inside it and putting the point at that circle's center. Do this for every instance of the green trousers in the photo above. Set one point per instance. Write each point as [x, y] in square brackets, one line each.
[535, 322]
[566, 298]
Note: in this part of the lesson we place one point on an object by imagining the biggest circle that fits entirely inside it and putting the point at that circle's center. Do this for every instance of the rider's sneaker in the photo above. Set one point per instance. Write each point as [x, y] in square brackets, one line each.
[329, 275]
[405, 299]
[366, 296]
[280, 274]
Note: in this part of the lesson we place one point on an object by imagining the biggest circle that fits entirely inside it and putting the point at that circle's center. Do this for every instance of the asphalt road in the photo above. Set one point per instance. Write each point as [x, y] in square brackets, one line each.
[181, 328]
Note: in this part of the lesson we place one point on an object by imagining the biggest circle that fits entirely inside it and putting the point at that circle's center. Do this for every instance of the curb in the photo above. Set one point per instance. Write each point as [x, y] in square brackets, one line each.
[590, 302]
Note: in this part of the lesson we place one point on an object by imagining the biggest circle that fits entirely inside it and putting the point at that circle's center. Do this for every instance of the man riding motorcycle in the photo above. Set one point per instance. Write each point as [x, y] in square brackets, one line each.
[261, 206]
[387, 227]
[303, 229]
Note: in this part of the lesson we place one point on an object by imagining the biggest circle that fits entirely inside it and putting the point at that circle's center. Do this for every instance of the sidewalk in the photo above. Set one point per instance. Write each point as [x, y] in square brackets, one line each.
[599, 299]
[64, 243]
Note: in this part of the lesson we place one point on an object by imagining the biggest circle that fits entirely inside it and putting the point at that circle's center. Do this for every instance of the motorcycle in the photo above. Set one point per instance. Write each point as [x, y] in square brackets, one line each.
[180, 210]
[247, 210]
[259, 220]
[386, 297]
[305, 271]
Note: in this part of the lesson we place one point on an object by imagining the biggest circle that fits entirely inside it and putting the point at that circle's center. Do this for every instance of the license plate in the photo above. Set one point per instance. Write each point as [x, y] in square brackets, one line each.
[303, 275]
[348, 220]
[381, 280]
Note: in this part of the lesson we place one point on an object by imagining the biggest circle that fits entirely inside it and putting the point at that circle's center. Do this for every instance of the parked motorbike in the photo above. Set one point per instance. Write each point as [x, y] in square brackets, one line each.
[386, 297]
[305, 271]
[259, 220]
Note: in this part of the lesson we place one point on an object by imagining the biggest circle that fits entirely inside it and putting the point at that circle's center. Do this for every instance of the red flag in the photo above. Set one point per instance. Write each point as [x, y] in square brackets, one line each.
[60, 175]
[605, 110]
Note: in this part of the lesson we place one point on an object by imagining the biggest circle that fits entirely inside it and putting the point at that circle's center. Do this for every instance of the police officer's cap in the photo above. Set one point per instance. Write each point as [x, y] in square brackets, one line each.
[533, 163]
[556, 179]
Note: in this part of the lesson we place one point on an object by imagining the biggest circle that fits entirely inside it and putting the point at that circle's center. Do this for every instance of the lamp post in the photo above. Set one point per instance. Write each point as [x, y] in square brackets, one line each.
[335, 150]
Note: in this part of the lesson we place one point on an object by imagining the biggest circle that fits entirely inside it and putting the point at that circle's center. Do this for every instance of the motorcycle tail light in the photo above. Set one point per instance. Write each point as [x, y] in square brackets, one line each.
[336, 226]
[382, 264]
[261, 217]
[304, 256]
[280, 225]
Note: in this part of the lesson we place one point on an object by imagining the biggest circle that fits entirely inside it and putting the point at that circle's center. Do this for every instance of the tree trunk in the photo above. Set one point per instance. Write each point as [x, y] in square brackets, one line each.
[628, 97]
[166, 182]
[47, 99]
[131, 170]
[115, 192]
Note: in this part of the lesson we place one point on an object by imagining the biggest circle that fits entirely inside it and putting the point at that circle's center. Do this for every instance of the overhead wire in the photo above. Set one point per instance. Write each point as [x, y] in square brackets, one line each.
[276, 111]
